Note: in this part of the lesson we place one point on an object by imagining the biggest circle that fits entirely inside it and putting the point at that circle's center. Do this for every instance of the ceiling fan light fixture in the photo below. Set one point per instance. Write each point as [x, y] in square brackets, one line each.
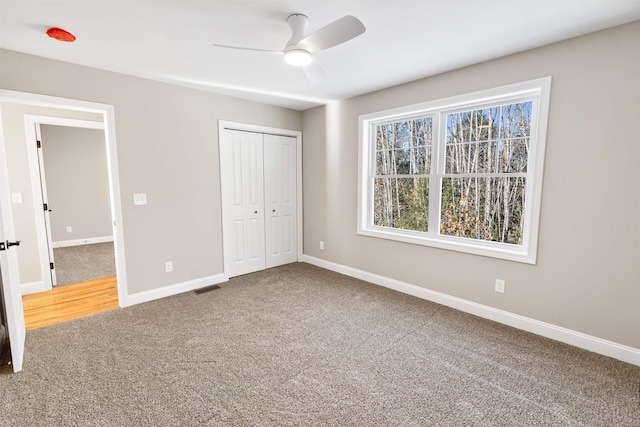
[297, 57]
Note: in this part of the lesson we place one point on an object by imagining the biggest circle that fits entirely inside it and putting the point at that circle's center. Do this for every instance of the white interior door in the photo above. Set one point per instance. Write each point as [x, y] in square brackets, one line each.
[46, 206]
[12, 295]
[280, 190]
[241, 168]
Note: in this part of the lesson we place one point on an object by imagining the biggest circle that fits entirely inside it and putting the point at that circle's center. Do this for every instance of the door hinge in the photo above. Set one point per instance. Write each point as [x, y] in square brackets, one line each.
[46, 208]
[2, 247]
[39, 144]
[51, 265]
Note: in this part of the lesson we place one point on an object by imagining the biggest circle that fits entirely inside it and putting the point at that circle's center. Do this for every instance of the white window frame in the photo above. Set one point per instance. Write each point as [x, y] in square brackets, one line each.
[537, 91]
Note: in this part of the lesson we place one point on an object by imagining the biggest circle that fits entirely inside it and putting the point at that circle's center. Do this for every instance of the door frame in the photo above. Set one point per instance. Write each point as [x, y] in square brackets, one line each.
[246, 127]
[39, 189]
[108, 118]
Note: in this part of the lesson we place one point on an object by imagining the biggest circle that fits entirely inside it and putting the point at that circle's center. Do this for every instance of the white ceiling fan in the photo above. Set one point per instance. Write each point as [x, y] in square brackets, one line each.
[300, 48]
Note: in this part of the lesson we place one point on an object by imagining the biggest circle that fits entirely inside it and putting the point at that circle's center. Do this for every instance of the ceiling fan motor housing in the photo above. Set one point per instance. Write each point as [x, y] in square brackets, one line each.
[299, 24]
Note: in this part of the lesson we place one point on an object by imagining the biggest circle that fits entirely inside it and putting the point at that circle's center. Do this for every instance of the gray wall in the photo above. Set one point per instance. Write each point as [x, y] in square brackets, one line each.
[587, 277]
[77, 181]
[24, 219]
[167, 141]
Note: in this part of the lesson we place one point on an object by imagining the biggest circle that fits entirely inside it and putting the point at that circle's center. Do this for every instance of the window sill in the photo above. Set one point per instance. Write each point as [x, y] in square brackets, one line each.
[475, 247]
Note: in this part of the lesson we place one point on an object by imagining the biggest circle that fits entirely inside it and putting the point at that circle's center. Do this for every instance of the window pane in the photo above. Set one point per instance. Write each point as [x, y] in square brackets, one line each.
[487, 157]
[483, 124]
[404, 161]
[401, 203]
[422, 131]
[455, 128]
[384, 163]
[515, 156]
[461, 158]
[413, 161]
[384, 137]
[516, 120]
[402, 136]
[490, 209]
[490, 140]
[422, 160]
[404, 147]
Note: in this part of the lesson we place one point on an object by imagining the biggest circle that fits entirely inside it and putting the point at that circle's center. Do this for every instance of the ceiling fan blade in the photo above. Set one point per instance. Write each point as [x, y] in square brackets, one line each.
[247, 48]
[340, 31]
[314, 71]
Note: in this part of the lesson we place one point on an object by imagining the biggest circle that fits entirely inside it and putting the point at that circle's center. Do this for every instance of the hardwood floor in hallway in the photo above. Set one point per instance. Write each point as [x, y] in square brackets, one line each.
[69, 302]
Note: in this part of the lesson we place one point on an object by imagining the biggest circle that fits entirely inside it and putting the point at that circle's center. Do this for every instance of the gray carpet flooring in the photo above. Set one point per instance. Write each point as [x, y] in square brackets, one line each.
[75, 264]
[298, 345]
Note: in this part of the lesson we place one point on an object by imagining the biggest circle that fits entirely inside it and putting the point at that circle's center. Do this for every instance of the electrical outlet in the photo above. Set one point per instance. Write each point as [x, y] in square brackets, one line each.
[168, 266]
[321, 245]
[69, 229]
[500, 286]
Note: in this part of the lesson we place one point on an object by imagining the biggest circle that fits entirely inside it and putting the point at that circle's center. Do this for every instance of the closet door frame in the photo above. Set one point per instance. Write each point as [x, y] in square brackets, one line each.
[246, 127]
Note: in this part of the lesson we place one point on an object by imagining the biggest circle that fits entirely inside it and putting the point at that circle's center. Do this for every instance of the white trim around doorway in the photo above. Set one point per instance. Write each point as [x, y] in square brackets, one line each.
[108, 116]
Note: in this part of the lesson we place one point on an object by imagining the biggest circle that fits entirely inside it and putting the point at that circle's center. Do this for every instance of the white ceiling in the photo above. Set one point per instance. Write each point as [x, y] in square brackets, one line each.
[171, 40]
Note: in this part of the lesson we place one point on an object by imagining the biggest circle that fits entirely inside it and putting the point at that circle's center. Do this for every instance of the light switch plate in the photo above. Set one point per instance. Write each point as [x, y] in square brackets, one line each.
[140, 199]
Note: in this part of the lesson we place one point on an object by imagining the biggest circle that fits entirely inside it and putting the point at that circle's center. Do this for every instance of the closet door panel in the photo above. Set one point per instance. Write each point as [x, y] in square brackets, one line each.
[280, 180]
[241, 168]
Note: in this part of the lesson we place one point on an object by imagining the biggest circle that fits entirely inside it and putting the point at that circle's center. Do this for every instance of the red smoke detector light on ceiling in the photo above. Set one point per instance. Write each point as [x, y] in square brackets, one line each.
[60, 34]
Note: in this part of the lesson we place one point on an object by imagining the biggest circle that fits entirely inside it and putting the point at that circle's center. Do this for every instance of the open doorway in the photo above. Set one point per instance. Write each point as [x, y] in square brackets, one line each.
[20, 112]
[69, 167]
[75, 189]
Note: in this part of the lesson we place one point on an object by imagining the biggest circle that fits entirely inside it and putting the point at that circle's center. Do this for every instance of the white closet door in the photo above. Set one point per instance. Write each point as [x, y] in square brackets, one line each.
[280, 189]
[241, 168]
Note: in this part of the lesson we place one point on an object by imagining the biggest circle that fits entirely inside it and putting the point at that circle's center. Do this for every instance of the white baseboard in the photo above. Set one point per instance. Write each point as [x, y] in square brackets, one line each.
[178, 288]
[558, 333]
[78, 242]
[33, 287]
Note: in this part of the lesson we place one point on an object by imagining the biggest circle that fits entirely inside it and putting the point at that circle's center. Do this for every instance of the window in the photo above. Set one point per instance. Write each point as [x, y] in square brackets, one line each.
[462, 173]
